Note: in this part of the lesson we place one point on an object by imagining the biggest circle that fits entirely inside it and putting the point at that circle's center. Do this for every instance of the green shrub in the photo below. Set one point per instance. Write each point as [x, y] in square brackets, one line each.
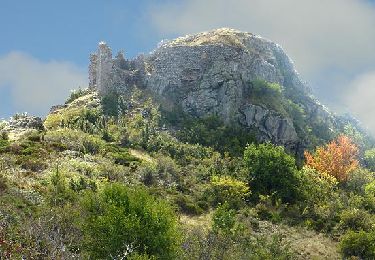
[30, 155]
[4, 144]
[119, 217]
[33, 136]
[370, 159]
[199, 244]
[82, 184]
[321, 200]
[224, 220]
[76, 140]
[316, 187]
[271, 171]
[56, 120]
[4, 135]
[356, 219]
[358, 179]
[267, 209]
[359, 244]
[370, 189]
[59, 192]
[75, 94]
[267, 94]
[187, 205]
[3, 184]
[227, 189]
[123, 157]
[110, 103]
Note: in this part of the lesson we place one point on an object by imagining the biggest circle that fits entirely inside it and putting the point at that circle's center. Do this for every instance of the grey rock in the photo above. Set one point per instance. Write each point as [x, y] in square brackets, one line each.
[24, 121]
[273, 127]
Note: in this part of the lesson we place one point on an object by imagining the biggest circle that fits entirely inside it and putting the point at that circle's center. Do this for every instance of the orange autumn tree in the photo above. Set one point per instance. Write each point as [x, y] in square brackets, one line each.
[337, 158]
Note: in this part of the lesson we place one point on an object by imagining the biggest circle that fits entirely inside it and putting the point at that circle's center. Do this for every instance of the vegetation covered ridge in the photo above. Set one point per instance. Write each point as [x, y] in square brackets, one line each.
[120, 177]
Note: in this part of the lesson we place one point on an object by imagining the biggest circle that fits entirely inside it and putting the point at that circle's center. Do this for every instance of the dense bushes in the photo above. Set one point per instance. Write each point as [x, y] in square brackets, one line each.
[369, 158]
[121, 219]
[76, 140]
[210, 131]
[272, 172]
[360, 244]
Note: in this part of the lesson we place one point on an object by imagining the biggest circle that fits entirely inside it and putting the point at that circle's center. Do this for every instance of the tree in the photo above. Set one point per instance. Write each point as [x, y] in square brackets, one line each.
[337, 158]
[271, 171]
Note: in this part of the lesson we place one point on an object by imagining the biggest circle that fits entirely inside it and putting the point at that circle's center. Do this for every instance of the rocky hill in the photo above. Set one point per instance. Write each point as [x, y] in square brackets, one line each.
[242, 78]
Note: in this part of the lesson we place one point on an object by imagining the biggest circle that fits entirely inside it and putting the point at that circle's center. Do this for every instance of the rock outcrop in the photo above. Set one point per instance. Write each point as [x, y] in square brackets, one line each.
[209, 73]
[20, 124]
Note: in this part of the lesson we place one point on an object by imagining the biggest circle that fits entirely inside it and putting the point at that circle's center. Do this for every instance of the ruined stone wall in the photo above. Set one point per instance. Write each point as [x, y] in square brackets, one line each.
[107, 73]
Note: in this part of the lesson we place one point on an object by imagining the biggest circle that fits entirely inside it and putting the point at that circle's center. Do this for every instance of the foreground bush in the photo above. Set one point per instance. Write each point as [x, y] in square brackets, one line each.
[271, 171]
[120, 220]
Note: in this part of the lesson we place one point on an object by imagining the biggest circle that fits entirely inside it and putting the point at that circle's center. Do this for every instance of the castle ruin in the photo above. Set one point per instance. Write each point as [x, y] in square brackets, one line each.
[107, 73]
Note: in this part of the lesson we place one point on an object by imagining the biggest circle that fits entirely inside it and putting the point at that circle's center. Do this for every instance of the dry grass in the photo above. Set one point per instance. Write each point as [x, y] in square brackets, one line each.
[223, 36]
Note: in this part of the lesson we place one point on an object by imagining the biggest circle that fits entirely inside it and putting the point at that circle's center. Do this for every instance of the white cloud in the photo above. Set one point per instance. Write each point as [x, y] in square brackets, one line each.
[360, 98]
[35, 85]
[317, 34]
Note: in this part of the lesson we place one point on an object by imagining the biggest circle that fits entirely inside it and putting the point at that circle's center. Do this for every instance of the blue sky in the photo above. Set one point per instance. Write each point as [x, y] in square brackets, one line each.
[45, 44]
[70, 29]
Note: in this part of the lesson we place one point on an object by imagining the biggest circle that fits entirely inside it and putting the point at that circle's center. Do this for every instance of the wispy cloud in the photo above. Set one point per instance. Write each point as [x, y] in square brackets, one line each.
[36, 85]
[360, 96]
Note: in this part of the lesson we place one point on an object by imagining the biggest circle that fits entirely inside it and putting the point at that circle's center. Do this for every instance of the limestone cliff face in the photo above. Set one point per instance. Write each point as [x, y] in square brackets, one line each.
[209, 73]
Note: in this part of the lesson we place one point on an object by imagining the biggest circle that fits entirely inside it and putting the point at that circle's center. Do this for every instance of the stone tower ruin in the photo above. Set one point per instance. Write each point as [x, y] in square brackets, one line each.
[107, 73]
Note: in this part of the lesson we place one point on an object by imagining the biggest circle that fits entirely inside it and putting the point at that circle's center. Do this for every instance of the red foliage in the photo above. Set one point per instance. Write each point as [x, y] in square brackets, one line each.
[337, 158]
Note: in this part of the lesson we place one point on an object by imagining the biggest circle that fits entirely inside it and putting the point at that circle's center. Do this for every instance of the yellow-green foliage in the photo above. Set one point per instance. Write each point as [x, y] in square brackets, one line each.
[55, 120]
[227, 189]
[370, 159]
[76, 140]
[370, 189]
[318, 187]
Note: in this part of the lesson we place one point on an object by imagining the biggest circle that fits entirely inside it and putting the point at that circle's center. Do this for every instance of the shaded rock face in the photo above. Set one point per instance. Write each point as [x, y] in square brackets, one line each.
[210, 73]
[273, 127]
